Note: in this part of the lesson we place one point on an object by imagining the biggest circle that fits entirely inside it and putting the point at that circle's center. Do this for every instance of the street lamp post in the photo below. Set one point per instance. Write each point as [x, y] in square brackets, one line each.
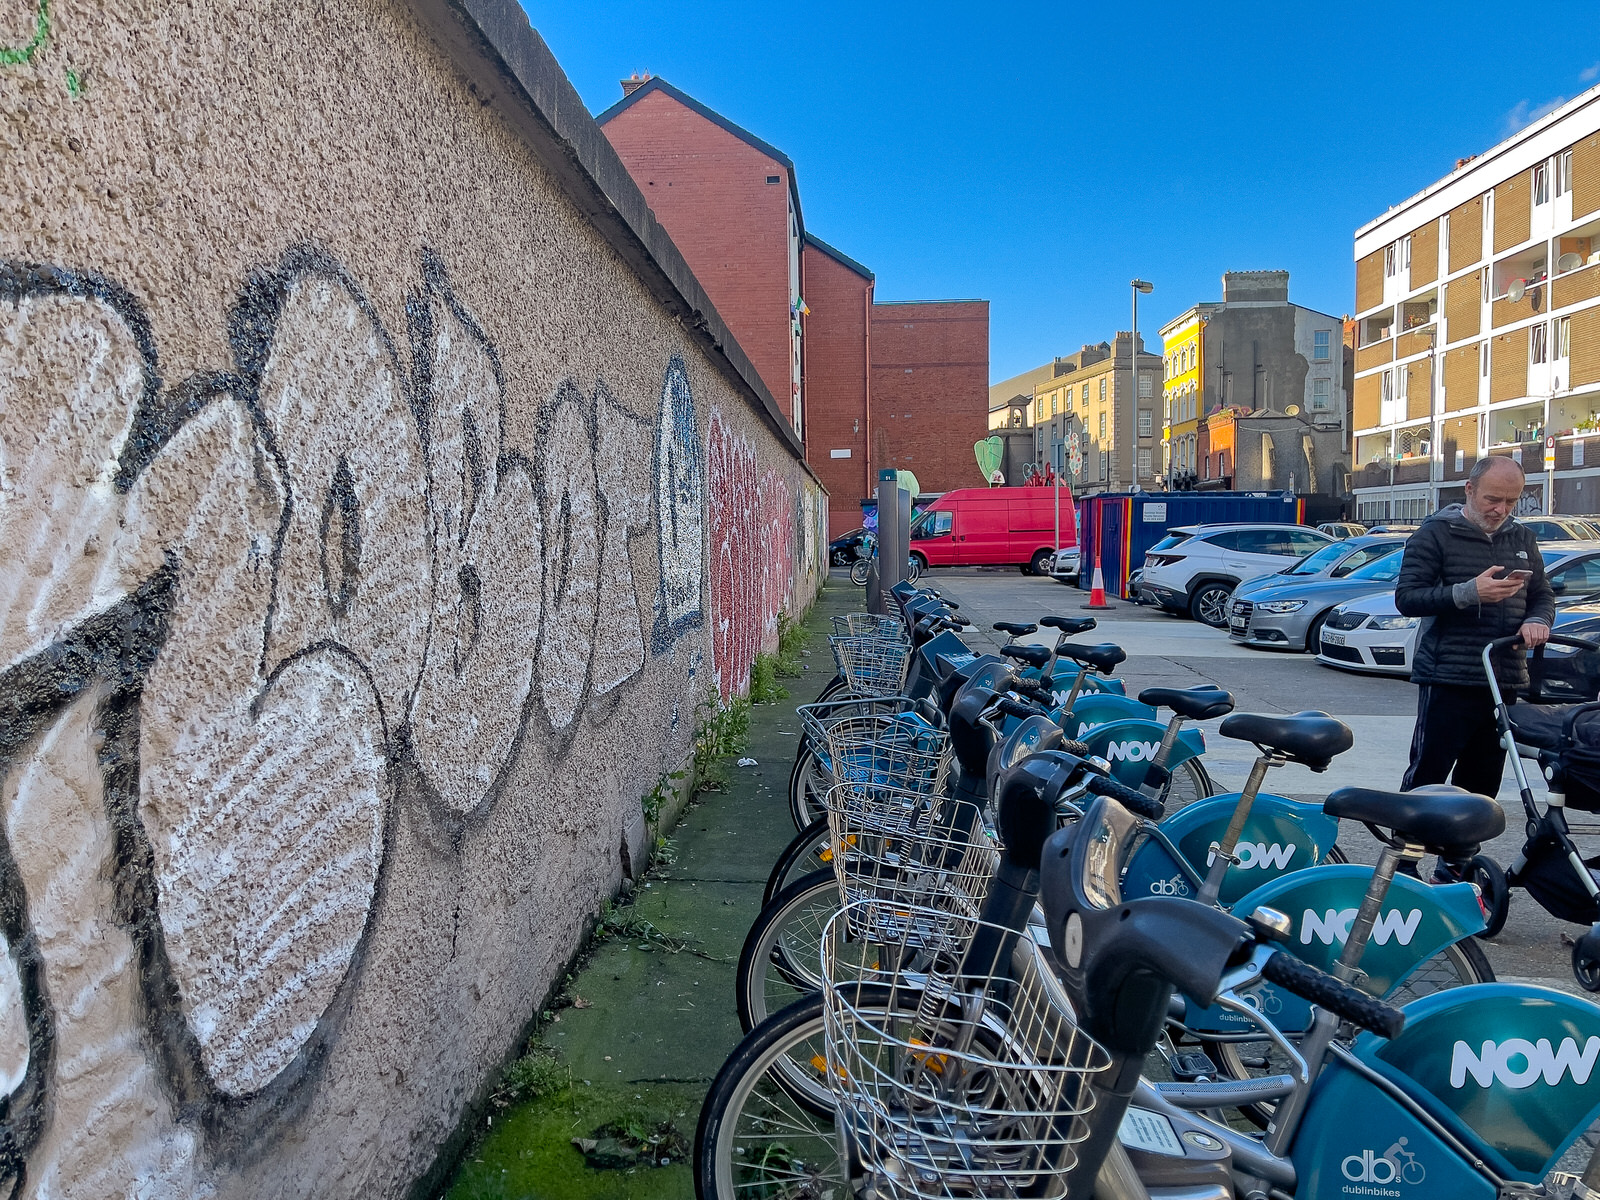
[1138, 285]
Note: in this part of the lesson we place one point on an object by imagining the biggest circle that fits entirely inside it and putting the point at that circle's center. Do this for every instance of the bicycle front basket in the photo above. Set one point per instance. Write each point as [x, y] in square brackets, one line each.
[899, 750]
[869, 625]
[872, 666]
[950, 1085]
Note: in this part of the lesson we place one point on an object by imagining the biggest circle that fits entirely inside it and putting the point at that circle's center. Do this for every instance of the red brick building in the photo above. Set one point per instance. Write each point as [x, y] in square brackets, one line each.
[930, 389]
[838, 291]
[731, 204]
[867, 386]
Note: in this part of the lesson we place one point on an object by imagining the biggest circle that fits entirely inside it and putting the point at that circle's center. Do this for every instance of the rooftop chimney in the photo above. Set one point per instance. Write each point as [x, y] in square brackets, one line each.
[634, 82]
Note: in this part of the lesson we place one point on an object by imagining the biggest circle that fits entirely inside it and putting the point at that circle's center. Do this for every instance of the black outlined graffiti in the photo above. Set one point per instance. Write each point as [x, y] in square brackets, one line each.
[247, 619]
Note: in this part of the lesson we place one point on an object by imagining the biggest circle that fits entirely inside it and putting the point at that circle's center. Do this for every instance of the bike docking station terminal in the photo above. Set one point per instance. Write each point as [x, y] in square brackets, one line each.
[894, 541]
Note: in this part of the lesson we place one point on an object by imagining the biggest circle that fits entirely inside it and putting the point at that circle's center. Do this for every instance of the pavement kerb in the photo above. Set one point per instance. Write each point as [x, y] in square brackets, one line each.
[645, 1021]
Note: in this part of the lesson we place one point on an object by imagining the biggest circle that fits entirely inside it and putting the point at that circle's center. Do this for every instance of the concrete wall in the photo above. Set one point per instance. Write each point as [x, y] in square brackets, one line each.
[930, 378]
[379, 494]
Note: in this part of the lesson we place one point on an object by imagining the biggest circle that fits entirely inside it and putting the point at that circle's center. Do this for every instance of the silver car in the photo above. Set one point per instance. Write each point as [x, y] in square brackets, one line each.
[1331, 562]
[1290, 616]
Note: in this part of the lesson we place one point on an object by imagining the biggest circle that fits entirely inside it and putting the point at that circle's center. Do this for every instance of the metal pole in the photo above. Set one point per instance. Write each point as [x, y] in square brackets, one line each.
[1133, 377]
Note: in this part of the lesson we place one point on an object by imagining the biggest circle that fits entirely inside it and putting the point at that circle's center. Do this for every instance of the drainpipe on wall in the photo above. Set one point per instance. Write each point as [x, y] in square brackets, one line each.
[868, 477]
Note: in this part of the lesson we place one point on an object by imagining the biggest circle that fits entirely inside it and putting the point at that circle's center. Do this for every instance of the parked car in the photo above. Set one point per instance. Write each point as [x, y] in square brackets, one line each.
[1368, 634]
[1392, 527]
[1017, 525]
[1194, 569]
[1559, 529]
[1342, 529]
[1064, 567]
[1568, 675]
[842, 550]
[1331, 562]
[1289, 616]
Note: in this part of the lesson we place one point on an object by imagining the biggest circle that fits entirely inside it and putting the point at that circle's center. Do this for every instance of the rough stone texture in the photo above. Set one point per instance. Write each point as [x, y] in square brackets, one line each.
[374, 519]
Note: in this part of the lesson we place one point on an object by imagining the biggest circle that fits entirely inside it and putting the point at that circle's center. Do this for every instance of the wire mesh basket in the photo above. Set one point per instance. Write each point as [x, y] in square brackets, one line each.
[869, 625]
[889, 750]
[956, 1085]
[912, 868]
[872, 666]
[816, 718]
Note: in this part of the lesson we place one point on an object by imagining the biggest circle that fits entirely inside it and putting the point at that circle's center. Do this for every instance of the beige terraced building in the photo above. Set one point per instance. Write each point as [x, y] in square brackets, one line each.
[1478, 326]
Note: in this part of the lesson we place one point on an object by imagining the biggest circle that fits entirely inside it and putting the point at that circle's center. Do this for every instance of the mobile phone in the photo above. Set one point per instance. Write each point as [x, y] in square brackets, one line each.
[1515, 575]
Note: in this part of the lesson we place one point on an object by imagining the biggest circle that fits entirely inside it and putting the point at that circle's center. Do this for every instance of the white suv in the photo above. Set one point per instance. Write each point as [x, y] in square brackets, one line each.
[1194, 569]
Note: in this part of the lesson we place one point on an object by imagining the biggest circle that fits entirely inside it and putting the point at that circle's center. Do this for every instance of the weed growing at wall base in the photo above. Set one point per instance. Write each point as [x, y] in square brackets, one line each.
[792, 638]
[723, 732]
[764, 685]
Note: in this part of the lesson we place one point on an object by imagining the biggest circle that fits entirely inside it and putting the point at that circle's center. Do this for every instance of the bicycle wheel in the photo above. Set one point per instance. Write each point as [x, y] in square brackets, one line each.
[1189, 783]
[808, 784]
[1457, 965]
[782, 955]
[766, 1127]
[859, 571]
[809, 851]
[913, 568]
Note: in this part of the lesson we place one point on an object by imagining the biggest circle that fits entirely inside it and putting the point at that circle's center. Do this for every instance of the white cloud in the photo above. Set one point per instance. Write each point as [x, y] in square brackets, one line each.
[1525, 113]
[1589, 74]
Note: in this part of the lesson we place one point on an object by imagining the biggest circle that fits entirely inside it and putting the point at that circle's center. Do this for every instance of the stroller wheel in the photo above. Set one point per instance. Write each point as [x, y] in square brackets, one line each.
[1586, 961]
[1496, 893]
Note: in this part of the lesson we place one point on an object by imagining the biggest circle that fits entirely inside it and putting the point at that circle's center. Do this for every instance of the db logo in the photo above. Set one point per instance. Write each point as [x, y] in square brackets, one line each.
[1132, 751]
[1396, 1165]
[1176, 886]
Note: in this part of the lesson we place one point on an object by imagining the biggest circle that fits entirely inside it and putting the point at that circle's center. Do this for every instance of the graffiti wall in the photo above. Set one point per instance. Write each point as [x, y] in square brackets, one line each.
[368, 536]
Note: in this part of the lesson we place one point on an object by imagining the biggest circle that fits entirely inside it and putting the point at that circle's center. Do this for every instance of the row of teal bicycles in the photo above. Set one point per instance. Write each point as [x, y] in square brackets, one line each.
[1020, 947]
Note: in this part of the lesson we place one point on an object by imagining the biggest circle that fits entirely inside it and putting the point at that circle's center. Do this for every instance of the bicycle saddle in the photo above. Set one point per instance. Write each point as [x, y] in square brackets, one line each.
[1034, 656]
[1446, 820]
[1015, 628]
[1103, 658]
[1196, 703]
[1069, 625]
[1309, 738]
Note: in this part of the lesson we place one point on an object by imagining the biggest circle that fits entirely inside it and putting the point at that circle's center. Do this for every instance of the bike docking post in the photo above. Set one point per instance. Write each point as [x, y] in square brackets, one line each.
[892, 547]
[1222, 855]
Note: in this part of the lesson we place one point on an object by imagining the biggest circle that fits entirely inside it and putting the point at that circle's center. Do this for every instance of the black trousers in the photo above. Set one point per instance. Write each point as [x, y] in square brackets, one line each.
[1455, 729]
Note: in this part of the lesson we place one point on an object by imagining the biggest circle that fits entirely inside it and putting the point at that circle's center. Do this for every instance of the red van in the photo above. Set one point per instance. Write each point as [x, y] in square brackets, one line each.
[994, 525]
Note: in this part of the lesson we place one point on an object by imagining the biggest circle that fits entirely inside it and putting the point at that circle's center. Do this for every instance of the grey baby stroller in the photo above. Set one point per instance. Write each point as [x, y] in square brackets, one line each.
[1564, 740]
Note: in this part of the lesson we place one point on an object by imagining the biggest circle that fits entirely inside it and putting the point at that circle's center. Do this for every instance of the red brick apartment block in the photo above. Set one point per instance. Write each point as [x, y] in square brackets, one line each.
[730, 203]
[838, 408]
[930, 389]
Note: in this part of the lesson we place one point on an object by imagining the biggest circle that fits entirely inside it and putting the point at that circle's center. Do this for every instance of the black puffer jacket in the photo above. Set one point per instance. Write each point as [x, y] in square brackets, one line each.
[1447, 550]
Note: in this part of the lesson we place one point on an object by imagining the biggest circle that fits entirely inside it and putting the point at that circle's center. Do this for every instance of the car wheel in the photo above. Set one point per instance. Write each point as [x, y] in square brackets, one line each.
[1209, 604]
[1041, 562]
[1314, 634]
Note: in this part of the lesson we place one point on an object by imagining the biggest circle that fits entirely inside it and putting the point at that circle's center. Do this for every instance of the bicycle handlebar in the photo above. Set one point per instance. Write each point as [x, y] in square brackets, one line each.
[1352, 1004]
[1132, 799]
[1016, 708]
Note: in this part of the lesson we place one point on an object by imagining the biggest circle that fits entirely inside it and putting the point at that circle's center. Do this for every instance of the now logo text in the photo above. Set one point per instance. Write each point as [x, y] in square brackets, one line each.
[1334, 926]
[1517, 1063]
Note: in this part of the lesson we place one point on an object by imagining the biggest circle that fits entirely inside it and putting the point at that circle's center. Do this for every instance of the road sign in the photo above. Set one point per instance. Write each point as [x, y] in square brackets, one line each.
[1550, 454]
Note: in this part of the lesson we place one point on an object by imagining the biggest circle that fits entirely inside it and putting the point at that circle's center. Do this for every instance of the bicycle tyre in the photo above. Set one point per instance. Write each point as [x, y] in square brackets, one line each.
[859, 570]
[802, 856]
[1457, 965]
[913, 569]
[1189, 783]
[781, 959]
[762, 1088]
[807, 782]
[832, 688]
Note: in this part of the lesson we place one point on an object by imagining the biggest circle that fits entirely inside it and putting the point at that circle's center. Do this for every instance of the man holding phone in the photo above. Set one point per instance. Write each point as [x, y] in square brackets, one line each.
[1473, 574]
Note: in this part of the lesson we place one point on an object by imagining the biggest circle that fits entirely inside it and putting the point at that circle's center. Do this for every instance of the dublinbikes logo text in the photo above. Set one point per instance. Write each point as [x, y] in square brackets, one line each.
[1334, 926]
[1258, 854]
[1132, 751]
[1394, 1165]
[1517, 1063]
[1176, 886]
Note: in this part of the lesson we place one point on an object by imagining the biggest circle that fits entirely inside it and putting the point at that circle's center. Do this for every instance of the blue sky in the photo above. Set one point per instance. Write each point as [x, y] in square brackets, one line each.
[1041, 155]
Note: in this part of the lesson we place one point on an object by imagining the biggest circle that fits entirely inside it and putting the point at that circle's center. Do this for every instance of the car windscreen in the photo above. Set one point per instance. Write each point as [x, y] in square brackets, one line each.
[1166, 543]
[1384, 570]
[1319, 560]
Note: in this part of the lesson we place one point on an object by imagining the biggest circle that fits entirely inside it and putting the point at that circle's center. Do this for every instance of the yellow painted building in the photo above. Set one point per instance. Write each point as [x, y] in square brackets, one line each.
[1182, 393]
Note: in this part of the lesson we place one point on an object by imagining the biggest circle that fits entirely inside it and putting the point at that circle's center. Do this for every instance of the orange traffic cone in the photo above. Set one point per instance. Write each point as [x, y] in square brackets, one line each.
[1097, 593]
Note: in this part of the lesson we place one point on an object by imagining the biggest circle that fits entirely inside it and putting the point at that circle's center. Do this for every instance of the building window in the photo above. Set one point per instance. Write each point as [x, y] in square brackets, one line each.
[1102, 387]
[1144, 464]
[1086, 393]
[1563, 172]
[1322, 341]
[1167, 411]
[1146, 385]
[1537, 346]
[1402, 380]
[1055, 402]
[1541, 184]
[1102, 419]
[1144, 422]
[1564, 337]
[1321, 394]
[1483, 359]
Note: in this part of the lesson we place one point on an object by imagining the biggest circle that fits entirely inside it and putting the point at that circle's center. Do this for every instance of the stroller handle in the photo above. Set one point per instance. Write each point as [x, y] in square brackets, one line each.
[1555, 639]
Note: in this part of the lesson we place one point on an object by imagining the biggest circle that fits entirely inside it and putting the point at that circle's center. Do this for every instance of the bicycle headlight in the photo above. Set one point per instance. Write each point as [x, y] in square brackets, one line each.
[1281, 606]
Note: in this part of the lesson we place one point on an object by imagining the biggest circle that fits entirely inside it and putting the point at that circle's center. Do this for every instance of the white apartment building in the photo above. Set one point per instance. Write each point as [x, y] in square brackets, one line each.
[1478, 327]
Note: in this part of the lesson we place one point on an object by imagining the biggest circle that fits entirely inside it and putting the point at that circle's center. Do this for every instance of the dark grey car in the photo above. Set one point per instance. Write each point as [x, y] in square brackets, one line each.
[1334, 561]
[1290, 616]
